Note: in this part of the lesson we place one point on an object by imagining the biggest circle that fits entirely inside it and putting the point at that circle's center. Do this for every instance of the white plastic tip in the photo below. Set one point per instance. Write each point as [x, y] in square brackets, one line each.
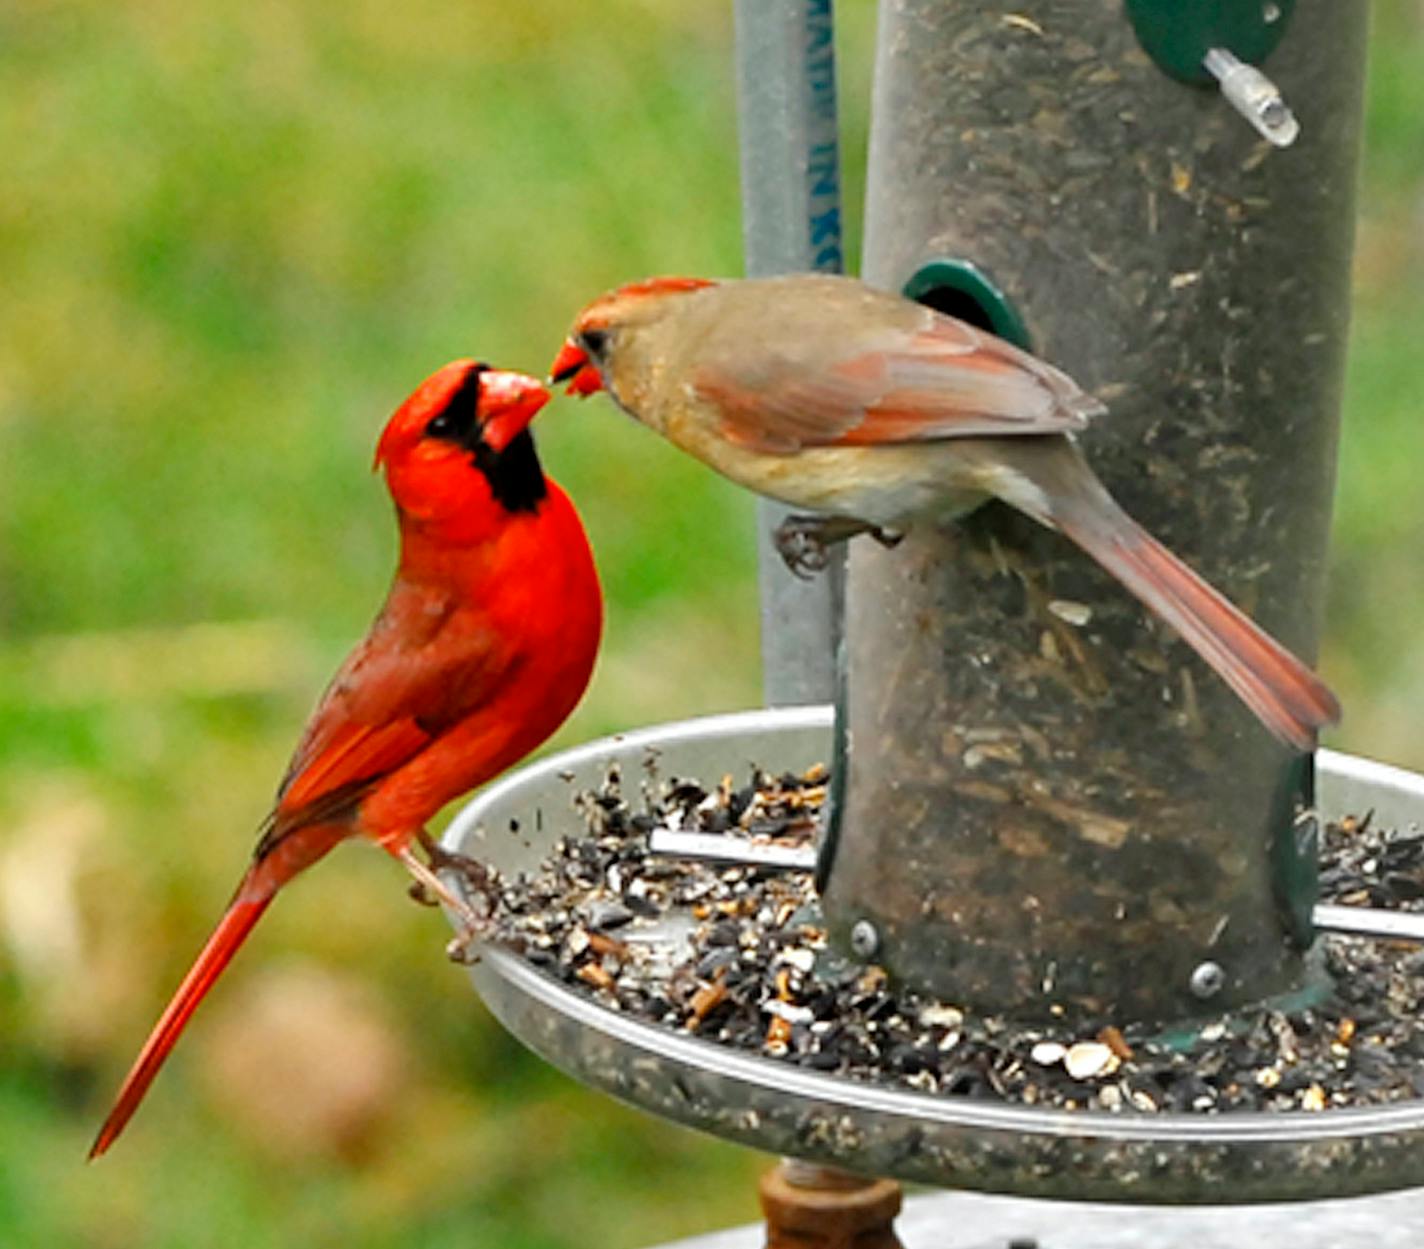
[1254, 96]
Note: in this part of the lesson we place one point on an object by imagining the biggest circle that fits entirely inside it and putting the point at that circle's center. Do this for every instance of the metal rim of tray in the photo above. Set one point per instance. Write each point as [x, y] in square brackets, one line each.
[1109, 1156]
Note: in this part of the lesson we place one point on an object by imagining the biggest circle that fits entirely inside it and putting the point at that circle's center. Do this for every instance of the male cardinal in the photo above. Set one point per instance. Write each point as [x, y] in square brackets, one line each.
[485, 643]
[829, 395]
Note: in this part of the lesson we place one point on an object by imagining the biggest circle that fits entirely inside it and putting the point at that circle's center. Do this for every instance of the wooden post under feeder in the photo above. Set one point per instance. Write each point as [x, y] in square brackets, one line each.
[1049, 807]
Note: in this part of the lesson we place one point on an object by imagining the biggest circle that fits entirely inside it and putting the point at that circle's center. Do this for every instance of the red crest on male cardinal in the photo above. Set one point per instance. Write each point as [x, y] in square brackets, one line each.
[484, 645]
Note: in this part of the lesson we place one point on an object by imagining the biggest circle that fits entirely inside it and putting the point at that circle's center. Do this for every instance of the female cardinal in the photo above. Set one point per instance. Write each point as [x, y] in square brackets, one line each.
[832, 396]
[485, 643]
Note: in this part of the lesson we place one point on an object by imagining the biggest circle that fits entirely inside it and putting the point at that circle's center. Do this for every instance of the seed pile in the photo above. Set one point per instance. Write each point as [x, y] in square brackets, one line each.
[1362, 865]
[737, 955]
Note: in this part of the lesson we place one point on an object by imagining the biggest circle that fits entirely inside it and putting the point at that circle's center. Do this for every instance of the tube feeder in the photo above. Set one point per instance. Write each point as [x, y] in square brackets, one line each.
[1050, 806]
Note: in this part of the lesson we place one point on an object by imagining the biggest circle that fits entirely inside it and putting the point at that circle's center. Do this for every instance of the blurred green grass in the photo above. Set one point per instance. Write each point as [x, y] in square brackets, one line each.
[231, 239]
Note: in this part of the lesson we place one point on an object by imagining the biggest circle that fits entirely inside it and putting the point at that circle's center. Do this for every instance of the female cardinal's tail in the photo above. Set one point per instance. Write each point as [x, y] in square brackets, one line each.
[245, 910]
[1050, 480]
[1287, 697]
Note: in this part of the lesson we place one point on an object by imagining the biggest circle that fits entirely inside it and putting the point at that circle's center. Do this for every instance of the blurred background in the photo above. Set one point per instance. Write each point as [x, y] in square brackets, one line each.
[232, 238]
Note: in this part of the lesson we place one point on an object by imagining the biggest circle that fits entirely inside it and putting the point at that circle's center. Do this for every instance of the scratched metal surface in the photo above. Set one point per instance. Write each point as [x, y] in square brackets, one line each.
[949, 1142]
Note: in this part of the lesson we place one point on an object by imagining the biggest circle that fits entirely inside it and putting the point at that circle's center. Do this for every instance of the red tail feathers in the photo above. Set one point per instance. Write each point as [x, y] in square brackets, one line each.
[230, 933]
[1288, 697]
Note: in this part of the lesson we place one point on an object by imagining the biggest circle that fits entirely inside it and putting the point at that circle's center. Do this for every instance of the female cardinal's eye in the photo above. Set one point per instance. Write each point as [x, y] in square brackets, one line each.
[594, 341]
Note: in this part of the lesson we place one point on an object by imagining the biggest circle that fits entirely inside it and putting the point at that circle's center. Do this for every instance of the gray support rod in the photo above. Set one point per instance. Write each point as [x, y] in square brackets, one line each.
[1052, 807]
[791, 223]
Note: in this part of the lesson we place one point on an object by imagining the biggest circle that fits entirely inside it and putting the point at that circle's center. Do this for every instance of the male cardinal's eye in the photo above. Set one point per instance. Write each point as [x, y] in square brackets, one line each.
[594, 341]
[457, 421]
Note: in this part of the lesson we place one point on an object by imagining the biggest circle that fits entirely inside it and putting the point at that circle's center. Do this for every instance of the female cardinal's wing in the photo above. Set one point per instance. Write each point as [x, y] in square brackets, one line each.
[934, 378]
[427, 663]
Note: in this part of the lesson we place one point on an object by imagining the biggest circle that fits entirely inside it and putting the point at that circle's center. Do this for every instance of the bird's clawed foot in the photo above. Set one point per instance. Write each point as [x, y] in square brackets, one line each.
[475, 874]
[428, 888]
[463, 947]
[804, 542]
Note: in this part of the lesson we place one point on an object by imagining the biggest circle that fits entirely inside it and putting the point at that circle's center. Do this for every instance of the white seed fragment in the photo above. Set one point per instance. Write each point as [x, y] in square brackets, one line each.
[789, 1011]
[799, 957]
[1020, 22]
[1075, 614]
[1047, 1053]
[941, 1017]
[1089, 1059]
[1268, 1077]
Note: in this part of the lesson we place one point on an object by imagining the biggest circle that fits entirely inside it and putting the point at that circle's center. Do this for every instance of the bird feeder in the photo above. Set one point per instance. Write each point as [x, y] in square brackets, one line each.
[1045, 809]
[1049, 802]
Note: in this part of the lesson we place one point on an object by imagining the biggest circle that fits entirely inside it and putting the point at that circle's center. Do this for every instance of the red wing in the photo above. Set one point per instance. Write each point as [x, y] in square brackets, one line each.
[424, 666]
[947, 380]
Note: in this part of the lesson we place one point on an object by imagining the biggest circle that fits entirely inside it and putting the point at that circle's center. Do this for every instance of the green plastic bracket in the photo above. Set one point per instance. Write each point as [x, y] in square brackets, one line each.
[962, 289]
[1178, 35]
[1295, 850]
[830, 838]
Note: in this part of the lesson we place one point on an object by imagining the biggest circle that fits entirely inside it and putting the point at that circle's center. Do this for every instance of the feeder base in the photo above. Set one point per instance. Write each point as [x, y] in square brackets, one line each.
[953, 1142]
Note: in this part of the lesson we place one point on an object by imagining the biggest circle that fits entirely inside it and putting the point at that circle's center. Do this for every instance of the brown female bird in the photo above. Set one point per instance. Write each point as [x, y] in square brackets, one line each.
[832, 396]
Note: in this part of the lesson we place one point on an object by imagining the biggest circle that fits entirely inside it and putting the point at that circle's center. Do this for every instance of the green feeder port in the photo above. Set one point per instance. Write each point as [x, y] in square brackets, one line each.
[1178, 36]
[960, 288]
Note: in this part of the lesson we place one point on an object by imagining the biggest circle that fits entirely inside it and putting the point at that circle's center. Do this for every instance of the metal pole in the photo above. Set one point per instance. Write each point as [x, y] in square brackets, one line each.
[786, 85]
[1051, 807]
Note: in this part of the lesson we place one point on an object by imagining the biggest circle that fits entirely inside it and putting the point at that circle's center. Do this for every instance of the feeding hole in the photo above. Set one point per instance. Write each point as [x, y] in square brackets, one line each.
[960, 289]
[958, 304]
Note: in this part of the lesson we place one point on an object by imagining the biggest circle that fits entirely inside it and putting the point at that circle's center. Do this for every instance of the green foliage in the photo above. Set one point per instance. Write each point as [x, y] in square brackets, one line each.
[232, 238]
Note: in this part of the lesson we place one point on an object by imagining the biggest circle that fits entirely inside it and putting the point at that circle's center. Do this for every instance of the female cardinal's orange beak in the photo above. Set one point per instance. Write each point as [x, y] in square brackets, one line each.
[572, 365]
[508, 402]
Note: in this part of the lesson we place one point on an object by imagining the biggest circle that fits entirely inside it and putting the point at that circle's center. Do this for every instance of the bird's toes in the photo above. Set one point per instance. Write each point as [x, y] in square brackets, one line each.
[421, 894]
[476, 926]
[801, 548]
[474, 873]
[464, 948]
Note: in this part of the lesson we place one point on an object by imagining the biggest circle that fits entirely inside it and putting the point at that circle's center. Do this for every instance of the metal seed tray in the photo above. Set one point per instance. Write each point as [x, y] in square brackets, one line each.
[933, 1139]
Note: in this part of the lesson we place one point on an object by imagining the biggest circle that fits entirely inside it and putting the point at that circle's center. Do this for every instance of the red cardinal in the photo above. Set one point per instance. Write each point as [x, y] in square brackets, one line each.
[485, 643]
[832, 396]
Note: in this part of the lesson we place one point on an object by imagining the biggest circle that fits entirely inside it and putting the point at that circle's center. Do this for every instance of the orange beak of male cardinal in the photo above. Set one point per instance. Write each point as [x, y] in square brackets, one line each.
[508, 402]
[572, 365]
